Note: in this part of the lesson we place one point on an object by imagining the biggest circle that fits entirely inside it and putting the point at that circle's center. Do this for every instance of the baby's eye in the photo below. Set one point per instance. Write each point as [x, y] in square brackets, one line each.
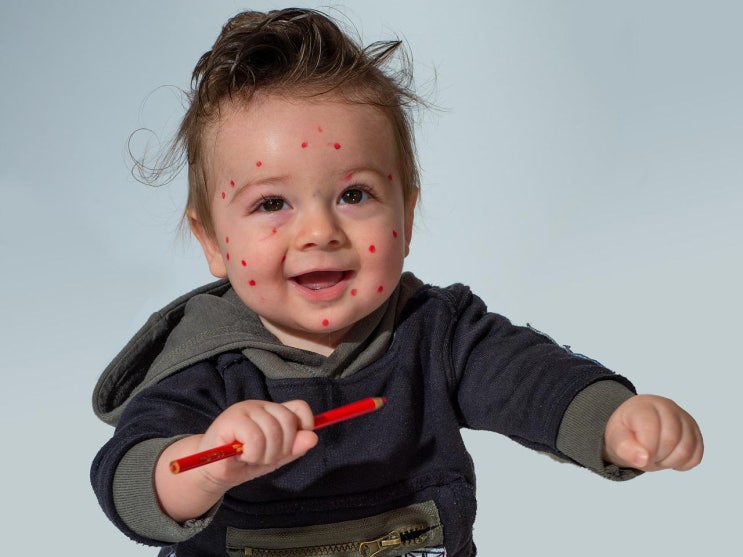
[272, 204]
[354, 196]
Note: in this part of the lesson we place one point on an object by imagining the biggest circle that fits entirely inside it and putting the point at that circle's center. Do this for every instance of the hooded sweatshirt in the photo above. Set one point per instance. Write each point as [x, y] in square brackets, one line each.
[402, 474]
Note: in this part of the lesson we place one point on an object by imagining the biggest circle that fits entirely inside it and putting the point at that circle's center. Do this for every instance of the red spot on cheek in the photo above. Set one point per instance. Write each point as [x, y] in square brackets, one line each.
[251, 282]
[273, 231]
[258, 163]
[283, 259]
[232, 183]
[319, 129]
[227, 256]
[227, 240]
[389, 177]
[380, 288]
[394, 233]
[304, 144]
[244, 263]
[224, 195]
[325, 322]
[337, 146]
[354, 292]
[372, 248]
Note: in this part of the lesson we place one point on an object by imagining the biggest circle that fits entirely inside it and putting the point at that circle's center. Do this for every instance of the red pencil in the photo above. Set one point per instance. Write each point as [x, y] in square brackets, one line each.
[324, 419]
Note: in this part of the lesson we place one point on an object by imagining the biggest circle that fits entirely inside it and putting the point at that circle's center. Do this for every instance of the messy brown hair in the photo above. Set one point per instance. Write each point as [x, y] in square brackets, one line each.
[291, 52]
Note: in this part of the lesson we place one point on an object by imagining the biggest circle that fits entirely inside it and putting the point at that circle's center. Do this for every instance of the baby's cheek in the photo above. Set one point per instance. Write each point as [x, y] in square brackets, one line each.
[242, 269]
[272, 234]
[260, 253]
[384, 256]
[224, 247]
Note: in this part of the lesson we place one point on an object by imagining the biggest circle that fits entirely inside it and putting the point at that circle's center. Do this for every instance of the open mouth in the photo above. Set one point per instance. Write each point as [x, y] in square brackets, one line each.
[319, 280]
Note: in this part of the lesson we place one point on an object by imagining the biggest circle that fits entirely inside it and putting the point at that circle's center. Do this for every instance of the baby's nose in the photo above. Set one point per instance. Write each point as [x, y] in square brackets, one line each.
[319, 228]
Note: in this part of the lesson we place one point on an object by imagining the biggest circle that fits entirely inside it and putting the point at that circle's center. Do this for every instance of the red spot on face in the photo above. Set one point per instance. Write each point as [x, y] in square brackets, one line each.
[380, 288]
[337, 146]
[304, 144]
[226, 239]
[372, 248]
[319, 129]
[258, 163]
[232, 183]
[325, 322]
[224, 195]
[348, 177]
[244, 263]
[227, 256]
[283, 259]
[394, 233]
[389, 177]
[273, 231]
[354, 292]
[251, 282]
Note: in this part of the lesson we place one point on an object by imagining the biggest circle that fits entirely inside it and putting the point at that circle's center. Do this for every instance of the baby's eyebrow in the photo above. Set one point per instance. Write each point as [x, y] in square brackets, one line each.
[252, 184]
[349, 173]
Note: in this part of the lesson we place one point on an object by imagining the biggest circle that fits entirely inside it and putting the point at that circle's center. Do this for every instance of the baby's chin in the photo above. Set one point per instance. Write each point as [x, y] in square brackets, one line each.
[315, 337]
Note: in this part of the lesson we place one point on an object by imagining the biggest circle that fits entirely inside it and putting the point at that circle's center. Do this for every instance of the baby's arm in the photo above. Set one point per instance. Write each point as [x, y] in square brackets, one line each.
[272, 435]
[650, 433]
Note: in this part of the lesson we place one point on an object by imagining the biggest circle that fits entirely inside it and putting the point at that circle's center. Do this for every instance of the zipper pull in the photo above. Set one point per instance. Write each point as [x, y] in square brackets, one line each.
[374, 547]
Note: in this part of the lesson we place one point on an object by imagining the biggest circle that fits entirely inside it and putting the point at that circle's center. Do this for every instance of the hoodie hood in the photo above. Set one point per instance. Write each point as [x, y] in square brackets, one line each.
[211, 320]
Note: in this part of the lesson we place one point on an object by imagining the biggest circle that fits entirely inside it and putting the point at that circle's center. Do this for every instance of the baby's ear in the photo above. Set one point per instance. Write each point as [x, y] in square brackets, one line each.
[209, 244]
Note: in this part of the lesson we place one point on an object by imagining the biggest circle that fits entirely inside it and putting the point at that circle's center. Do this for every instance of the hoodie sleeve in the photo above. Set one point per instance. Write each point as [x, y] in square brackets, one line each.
[123, 470]
[518, 382]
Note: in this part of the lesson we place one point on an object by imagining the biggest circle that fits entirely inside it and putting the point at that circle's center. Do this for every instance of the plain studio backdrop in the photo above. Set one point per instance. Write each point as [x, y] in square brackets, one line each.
[583, 174]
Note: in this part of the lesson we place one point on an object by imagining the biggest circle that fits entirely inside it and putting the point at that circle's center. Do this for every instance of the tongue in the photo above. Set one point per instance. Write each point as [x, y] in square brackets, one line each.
[319, 279]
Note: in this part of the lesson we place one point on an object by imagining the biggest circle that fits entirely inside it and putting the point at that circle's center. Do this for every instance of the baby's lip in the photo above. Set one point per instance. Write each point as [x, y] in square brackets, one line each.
[319, 280]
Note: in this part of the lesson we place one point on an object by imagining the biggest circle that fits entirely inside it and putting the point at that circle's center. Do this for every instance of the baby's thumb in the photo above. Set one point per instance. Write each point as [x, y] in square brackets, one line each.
[303, 442]
[624, 450]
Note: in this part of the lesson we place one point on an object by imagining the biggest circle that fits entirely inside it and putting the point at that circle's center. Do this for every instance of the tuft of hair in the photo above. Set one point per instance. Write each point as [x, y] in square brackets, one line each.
[292, 52]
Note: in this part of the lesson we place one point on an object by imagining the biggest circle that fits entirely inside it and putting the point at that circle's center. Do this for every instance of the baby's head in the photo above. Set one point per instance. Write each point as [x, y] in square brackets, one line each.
[302, 172]
[293, 53]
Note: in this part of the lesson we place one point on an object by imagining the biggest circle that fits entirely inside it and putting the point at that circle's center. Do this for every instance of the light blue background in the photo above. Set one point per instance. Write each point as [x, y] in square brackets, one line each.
[584, 176]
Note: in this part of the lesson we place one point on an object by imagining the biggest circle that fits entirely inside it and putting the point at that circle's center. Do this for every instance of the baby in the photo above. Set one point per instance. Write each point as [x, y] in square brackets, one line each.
[302, 191]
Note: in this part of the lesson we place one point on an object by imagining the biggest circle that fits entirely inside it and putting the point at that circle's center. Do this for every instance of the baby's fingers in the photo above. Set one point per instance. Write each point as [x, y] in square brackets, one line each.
[305, 438]
[673, 439]
[271, 436]
[653, 433]
[303, 412]
[686, 449]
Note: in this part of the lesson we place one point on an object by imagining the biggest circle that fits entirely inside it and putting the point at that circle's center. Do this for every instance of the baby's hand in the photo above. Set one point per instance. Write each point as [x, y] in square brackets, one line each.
[652, 433]
[272, 435]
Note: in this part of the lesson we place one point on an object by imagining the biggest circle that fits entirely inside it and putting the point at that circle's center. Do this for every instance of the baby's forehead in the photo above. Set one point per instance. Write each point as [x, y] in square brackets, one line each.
[263, 117]
[271, 131]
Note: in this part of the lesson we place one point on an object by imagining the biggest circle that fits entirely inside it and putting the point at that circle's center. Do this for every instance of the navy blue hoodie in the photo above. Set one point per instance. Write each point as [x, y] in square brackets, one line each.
[443, 362]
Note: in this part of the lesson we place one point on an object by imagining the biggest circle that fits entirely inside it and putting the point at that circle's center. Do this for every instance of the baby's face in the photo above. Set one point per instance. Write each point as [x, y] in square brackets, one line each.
[308, 213]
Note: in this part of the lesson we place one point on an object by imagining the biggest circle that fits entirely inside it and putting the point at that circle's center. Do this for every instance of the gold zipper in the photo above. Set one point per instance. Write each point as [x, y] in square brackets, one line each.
[301, 551]
[374, 547]
[370, 548]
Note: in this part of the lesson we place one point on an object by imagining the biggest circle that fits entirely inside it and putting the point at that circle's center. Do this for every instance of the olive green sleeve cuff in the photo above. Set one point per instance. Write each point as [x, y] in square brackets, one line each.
[581, 434]
[136, 501]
